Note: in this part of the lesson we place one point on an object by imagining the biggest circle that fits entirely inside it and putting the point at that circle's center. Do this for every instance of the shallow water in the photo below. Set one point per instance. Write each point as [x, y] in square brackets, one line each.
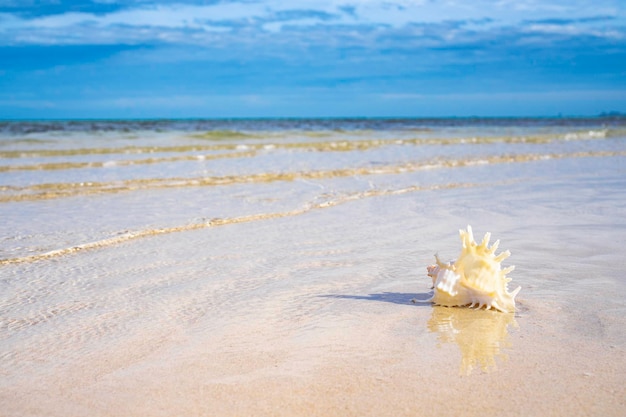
[231, 267]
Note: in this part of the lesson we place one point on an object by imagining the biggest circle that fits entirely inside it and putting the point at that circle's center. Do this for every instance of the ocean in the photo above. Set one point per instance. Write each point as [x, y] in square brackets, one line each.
[267, 266]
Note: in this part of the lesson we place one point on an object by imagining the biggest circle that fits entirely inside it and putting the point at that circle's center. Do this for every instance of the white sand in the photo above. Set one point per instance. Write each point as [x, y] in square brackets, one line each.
[310, 314]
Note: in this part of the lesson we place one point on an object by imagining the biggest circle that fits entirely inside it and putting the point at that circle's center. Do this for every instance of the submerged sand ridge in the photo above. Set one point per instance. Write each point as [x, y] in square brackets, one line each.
[287, 317]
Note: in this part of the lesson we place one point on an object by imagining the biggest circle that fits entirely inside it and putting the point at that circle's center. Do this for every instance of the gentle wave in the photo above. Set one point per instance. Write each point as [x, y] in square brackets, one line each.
[54, 166]
[216, 222]
[72, 189]
[320, 146]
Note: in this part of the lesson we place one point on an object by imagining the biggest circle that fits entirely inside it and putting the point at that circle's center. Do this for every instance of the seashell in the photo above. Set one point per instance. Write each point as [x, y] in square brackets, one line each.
[475, 279]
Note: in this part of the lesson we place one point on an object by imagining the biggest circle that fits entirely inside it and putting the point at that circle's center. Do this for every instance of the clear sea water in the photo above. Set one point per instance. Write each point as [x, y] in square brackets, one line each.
[131, 247]
[68, 183]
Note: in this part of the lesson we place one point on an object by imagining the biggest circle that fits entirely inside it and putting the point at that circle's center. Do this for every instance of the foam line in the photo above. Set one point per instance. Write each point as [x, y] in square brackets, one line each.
[61, 190]
[216, 222]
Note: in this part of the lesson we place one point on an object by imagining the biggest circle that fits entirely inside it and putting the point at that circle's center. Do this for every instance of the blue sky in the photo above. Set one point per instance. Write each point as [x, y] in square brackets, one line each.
[270, 58]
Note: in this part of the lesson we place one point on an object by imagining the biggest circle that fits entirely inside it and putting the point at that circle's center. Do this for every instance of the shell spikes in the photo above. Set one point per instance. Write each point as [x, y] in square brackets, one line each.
[475, 279]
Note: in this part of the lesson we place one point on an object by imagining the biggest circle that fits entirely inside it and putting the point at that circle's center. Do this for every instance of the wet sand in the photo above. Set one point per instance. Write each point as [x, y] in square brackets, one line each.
[311, 314]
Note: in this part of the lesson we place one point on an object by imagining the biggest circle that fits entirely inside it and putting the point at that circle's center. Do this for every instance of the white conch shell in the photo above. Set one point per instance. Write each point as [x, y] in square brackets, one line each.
[475, 279]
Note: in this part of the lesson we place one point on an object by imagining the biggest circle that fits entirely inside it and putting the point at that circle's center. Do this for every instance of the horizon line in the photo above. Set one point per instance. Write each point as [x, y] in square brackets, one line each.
[608, 114]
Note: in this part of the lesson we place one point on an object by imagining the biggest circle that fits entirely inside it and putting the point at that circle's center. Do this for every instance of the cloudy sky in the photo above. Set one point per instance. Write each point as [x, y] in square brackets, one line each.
[279, 58]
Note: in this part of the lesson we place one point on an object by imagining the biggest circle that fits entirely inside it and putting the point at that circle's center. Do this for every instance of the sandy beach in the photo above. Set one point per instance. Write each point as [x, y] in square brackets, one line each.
[310, 313]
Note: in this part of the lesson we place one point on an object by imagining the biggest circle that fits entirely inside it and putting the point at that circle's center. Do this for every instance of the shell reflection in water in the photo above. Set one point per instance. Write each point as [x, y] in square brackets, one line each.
[480, 335]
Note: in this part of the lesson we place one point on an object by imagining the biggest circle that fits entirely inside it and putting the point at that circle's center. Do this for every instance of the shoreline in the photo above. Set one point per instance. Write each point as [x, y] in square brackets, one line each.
[300, 302]
[321, 324]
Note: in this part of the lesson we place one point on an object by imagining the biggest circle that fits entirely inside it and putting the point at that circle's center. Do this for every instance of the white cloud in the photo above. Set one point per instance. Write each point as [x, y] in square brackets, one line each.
[511, 96]
[159, 102]
[574, 30]
[174, 16]
[145, 23]
[65, 20]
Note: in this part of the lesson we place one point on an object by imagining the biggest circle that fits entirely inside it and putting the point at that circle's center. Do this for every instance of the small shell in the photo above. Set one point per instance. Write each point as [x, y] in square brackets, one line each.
[475, 279]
